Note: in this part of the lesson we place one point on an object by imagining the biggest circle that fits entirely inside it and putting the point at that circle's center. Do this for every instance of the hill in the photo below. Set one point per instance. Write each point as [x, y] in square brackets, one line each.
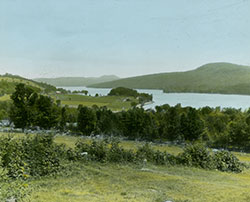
[225, 78]
[77, 81]
[8, 83]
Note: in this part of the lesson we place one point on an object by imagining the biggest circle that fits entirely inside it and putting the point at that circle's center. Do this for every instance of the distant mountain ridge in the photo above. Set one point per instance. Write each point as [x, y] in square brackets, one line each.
[224, 78]
[77, 81]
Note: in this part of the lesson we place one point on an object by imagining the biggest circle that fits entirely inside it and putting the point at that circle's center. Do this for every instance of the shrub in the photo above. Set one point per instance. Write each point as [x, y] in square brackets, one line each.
[197, 156]
[163, 158]
[193, 155]
[12, 157]
[42, 155]
[226, 161]
[156, 157]
[159, 158]
[117, 154]
[145, 152]
[97, 151]
[35, 156]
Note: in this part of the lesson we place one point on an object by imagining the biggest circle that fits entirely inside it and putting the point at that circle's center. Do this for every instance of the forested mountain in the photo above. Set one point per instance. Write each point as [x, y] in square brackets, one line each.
[77, 81]
[225, 78]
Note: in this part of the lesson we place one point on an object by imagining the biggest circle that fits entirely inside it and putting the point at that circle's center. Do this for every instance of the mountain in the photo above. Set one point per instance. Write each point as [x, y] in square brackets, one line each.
[224, 78]
[8, 84]
[77, 81]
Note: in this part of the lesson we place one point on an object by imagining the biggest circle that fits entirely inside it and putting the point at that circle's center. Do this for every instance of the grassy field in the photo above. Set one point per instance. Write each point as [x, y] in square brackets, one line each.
[114, 103]
[5, 98]
[109, 182]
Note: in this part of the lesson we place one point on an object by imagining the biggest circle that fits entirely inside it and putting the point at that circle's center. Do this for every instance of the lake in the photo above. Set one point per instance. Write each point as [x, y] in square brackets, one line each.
[195, 100]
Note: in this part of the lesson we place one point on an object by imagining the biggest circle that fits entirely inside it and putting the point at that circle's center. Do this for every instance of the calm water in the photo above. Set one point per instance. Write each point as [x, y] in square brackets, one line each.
[185, 99]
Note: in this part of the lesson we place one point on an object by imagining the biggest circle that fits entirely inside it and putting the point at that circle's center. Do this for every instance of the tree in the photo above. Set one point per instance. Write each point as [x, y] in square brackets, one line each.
[137, 123]
[105, 122]
[86, 120]
[31, 109]
[191, 125]
[47, 112]
[239, 133]
[63, 119]
[173, 124]
[24, 99]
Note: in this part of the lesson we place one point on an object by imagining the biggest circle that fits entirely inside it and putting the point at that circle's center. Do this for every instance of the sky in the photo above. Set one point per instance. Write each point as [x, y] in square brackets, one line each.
[53, 38]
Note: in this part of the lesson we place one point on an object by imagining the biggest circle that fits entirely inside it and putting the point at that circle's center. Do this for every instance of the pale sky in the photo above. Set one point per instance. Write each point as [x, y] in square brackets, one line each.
[51, 38]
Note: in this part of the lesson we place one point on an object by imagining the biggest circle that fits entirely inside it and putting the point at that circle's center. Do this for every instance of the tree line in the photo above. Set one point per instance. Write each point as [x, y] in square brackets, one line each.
[225, 128]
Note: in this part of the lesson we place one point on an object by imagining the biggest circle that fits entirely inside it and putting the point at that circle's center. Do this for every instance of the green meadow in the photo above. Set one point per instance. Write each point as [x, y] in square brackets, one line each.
[115, 103]
[112, 182]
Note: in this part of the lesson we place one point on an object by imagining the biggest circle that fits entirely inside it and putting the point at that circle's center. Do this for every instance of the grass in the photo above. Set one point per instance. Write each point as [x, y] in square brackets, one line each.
[110, 182]
[107, 182]
[114, 103]
[5, 98]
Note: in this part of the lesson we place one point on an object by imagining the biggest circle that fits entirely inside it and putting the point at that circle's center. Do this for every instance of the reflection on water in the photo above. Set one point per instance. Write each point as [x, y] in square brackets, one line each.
[185, 99]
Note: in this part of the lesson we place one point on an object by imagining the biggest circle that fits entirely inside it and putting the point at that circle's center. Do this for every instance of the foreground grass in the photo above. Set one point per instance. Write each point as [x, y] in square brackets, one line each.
[110, 182]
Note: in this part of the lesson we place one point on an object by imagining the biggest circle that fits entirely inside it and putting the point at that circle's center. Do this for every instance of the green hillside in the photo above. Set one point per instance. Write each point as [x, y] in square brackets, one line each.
[76, 81]
[8, 83]
[222, 78]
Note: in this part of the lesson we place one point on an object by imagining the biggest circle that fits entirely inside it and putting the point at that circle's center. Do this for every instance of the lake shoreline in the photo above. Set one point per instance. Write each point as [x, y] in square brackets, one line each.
[196, 100]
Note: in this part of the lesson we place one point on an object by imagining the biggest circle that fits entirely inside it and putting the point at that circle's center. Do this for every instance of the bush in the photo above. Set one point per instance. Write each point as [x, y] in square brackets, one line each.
[34, 156]
[12, 154]
[145, 152]
[156, 157]
[226, 161]
[193, 155]
[197, 156]
[163, 158]
[42, 155]
[97, 151]
[120, 155]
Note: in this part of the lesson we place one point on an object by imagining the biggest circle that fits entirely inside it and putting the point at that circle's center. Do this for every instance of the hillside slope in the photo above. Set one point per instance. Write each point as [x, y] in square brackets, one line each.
[224, 78]
[76, 81]
[8, 83]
